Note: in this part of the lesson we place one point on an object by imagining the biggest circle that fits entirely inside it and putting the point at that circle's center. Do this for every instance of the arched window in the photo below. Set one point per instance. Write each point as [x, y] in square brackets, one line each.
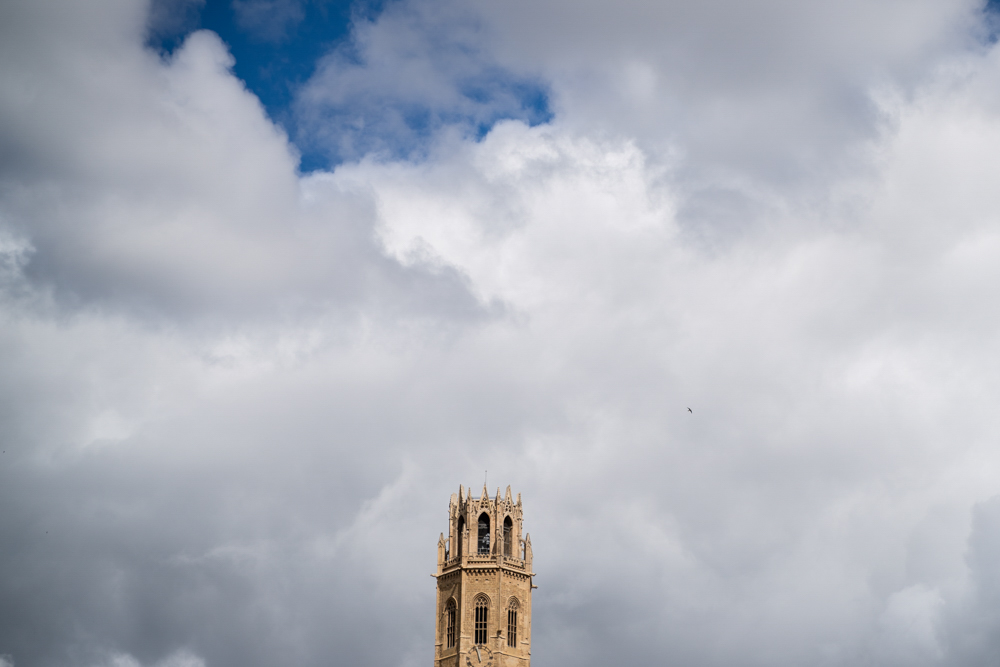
[451, 613]
[482, 616]
[484, 533]
[508, 536]
[461, 535]
[512, 623]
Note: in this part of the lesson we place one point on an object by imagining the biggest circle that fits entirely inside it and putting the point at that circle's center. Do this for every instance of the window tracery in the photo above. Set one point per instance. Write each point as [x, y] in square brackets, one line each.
[482, 617]
[512, 623]
[451, 611]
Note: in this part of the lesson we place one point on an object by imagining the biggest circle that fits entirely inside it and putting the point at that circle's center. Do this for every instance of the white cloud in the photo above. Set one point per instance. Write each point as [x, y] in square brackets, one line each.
[177, 659]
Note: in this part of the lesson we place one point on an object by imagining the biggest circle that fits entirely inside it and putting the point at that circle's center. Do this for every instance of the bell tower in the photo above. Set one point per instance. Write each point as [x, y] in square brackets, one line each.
[484, 583]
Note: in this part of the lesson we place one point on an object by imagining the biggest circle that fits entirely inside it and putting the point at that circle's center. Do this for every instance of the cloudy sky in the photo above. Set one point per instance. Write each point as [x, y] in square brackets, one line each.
[276, 276]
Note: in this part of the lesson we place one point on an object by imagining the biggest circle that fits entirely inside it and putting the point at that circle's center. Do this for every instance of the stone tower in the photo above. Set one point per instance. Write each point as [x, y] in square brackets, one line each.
[484, 583]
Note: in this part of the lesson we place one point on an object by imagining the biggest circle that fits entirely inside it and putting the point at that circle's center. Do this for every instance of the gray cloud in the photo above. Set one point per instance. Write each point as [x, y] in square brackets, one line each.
[765, 100]
[163, 187]
[268, 20]
[406, 75]
[169, 18]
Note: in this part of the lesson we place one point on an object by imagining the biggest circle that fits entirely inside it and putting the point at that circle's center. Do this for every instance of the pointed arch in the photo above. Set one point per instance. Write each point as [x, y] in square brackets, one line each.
[508, 537]
[451, 618]
[461, 534]
[484, 534]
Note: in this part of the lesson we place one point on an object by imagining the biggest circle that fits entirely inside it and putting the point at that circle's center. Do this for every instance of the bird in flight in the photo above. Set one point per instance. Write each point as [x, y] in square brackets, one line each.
[690, 410]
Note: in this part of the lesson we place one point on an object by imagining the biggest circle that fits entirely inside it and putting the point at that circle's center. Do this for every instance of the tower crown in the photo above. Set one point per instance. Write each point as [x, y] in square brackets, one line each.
[484, 582]
[483, 526]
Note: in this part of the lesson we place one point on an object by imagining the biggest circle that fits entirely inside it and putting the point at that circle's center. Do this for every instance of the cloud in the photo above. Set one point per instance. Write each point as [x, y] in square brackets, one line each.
[765, 99]
[792, 73]
[268, 20]
[179, 659]
[174, 194]
[404, 76]
[169, 18]
[235, 398]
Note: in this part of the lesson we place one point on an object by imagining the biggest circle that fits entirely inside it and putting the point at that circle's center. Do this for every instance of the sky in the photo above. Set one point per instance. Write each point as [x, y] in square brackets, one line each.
[713, 285]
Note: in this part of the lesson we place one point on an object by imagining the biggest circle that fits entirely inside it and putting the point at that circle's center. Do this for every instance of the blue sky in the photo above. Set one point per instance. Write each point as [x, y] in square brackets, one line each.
[275, 50]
